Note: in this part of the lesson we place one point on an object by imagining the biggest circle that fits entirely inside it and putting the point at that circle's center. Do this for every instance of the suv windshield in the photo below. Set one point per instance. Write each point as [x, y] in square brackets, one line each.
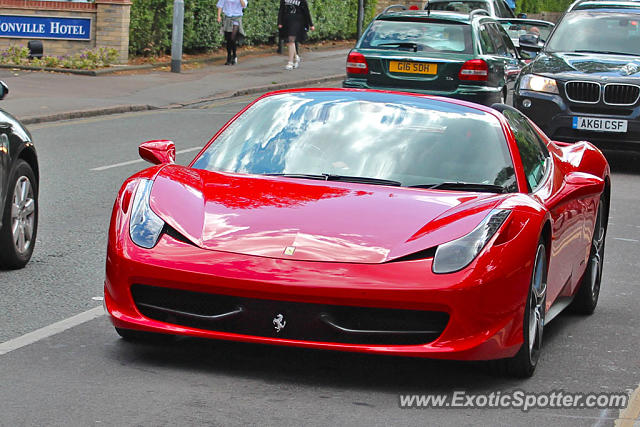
[410, 140]
[418, 36]
[594, 32]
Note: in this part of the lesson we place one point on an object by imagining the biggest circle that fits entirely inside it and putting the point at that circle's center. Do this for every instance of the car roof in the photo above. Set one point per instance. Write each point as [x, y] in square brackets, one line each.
[441, 15]
[608, 4]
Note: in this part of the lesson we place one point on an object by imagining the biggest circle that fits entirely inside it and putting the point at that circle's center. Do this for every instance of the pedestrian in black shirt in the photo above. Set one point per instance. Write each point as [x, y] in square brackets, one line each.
[294, 20]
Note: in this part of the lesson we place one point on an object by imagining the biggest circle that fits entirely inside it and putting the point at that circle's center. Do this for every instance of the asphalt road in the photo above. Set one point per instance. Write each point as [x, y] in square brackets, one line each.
[87, 375]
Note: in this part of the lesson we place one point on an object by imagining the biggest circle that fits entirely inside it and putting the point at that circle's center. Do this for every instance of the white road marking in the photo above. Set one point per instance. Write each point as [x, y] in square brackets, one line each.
[50, 330]
[131, 162]
[627, 240]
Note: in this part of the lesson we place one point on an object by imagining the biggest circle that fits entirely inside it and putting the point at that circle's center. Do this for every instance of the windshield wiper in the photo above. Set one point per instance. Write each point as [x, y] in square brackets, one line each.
[298, 175]
[343, 178]
[607, 52]
[408, 45]
[470, 186]
[361, 180]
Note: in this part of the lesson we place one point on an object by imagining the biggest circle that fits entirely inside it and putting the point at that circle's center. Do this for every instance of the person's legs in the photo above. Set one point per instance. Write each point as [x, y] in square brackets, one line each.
[227, 36]
[291, 46]
[234, 38]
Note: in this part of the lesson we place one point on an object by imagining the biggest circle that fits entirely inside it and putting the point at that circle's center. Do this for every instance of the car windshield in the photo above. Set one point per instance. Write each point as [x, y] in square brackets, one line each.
[411, 140]
[418, 36]
[516, 29]
[459, 6]
[593, 32]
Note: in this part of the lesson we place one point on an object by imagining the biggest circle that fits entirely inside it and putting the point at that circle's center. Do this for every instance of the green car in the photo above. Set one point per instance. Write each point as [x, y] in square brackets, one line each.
[469, 57]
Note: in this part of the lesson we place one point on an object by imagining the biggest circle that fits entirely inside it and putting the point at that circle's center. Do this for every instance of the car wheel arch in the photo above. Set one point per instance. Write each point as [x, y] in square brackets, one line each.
[28, 154]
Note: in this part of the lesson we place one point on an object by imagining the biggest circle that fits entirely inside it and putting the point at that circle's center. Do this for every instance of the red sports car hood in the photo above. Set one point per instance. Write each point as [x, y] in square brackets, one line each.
[311, 220]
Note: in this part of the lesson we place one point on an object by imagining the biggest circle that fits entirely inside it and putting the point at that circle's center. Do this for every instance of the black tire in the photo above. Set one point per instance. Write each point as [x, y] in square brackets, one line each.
[11, 256]
[586, 298]
[524, 363]
[132, 335]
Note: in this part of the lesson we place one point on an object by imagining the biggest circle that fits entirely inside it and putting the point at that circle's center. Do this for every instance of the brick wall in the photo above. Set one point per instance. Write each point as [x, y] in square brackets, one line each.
[109, 26]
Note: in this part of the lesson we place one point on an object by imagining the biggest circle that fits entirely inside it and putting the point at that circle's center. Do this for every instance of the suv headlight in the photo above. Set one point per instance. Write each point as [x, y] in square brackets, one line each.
[457, 254]
[538, 84]
[144, 226]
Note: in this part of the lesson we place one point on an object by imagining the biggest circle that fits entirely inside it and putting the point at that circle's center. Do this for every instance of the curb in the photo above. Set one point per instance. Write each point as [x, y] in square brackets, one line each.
[259, 89]
[79, 114]
[119, 109]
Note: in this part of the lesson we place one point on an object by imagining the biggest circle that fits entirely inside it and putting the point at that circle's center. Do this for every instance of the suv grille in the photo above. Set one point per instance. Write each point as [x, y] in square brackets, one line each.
[583, 91]
[621, 94]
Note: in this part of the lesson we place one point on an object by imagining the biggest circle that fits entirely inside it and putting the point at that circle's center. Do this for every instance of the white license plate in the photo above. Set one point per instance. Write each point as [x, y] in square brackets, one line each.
[600, 125]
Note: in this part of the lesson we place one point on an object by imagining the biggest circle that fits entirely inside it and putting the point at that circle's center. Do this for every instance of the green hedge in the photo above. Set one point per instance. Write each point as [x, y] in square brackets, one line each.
[536, 6]
[150, 30]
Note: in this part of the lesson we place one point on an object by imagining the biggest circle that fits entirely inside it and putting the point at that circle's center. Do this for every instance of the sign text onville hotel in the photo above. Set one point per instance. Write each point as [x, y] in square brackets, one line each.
[45, 27]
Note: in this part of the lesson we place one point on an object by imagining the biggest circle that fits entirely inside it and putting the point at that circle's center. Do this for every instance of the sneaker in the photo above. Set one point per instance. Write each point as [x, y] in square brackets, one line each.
[296, 64]
[289, 66]
[234, 60]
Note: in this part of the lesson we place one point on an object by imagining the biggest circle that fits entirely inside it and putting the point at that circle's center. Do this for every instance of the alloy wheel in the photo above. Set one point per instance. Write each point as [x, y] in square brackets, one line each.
[22, 215]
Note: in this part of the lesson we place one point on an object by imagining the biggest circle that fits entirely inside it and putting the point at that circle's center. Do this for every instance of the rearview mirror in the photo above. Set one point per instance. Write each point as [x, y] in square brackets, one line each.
[158, 151]
[4, 89]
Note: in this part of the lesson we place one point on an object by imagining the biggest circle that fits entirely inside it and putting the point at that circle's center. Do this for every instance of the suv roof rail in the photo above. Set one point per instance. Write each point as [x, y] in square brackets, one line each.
[478, 12]
[394, 6]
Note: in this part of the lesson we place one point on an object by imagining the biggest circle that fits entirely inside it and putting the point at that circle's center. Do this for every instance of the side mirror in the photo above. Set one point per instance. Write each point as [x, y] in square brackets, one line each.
[158, 151]
[4, 89]
[522, 16]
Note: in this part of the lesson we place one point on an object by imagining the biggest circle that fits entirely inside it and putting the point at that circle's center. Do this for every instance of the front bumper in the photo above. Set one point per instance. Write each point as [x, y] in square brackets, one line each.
[484, 310]
[555, 117]
[484, 95]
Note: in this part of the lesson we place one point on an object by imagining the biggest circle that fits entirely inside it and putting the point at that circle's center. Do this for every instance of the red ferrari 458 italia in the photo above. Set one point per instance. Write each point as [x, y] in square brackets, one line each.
[363, 221]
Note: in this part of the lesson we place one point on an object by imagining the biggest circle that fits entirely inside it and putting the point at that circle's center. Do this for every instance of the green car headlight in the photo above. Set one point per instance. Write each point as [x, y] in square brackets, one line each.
[538, 84]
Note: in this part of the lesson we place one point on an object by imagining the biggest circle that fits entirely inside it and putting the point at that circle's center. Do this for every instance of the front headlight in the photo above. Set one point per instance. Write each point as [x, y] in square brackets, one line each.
[144, 226]
[538, 84]
[457, 254]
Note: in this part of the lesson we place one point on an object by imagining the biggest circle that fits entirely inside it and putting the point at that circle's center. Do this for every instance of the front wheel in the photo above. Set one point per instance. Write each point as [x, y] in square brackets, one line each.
[587, 296]
[524, 363]
[19, 218]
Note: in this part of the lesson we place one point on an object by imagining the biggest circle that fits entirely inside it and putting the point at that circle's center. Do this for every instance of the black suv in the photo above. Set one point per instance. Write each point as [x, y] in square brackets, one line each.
[18, 191]
[585, 84]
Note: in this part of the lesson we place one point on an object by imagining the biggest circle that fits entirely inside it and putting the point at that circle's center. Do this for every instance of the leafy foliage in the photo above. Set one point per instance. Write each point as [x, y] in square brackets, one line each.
[151, 21]
[536, 6]
[86, 60]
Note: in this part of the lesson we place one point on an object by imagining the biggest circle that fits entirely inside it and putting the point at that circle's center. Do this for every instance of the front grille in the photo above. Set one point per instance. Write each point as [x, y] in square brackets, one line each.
[621, 94]
[583, 91]
[302, 321]
[600, 109]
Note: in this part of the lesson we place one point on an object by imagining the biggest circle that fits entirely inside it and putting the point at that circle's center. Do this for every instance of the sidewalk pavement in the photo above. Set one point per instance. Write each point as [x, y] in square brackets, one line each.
[36, 96]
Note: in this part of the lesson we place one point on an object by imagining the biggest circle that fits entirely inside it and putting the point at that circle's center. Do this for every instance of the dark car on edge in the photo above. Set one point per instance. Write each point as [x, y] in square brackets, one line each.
[18, 191]
[464, 56]
[585, 84]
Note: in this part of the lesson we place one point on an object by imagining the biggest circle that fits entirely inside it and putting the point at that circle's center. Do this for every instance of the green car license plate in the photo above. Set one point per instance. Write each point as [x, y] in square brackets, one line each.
[413, 67]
